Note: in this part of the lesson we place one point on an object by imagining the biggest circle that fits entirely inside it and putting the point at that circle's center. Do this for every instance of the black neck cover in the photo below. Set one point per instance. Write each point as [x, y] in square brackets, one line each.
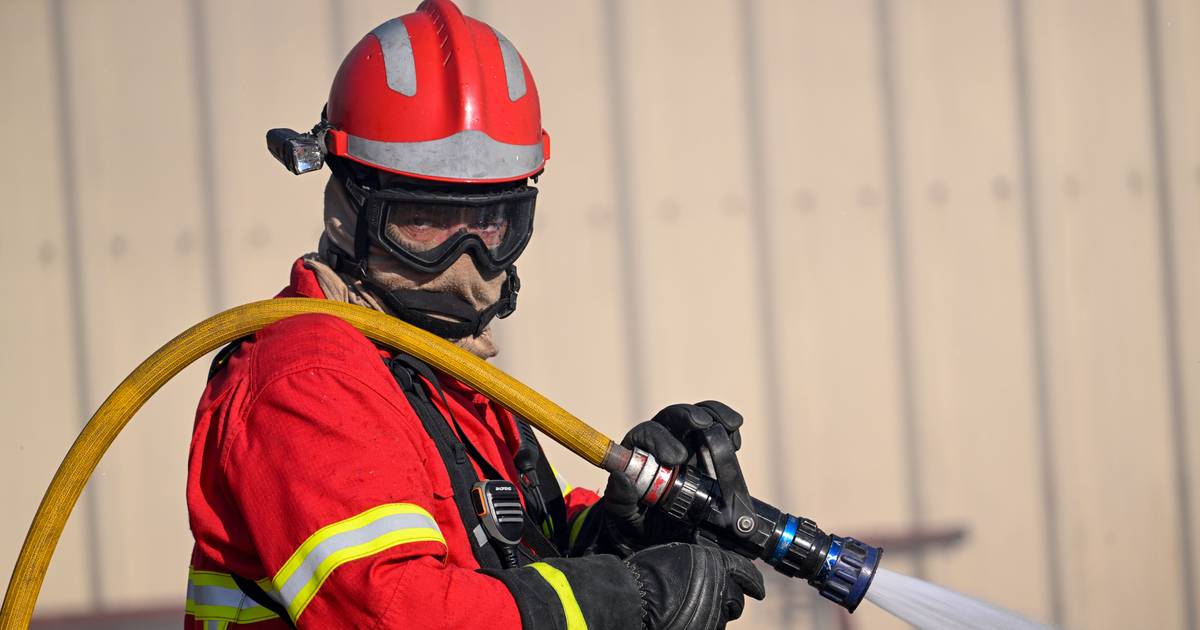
[428, 309]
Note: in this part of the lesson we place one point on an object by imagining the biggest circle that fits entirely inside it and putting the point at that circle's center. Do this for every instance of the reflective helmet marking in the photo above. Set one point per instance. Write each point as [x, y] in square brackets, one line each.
[466, 155]
[440, 96]
[514, 72]
[398, 60]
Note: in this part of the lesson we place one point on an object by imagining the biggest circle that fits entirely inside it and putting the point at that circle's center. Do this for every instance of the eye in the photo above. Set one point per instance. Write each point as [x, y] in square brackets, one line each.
[420, 218]
[488, 220]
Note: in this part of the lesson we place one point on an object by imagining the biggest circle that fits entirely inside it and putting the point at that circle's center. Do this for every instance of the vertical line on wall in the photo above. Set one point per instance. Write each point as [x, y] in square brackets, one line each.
[886, 49]
[764, 278]
[629, 255]
[472, 8]
[206, 158]
[1043, 415]
[337, 32]
[80, 362]
[1170, 304]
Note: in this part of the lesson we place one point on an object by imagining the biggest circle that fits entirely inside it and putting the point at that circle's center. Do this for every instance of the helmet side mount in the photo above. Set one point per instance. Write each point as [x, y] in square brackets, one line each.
[299, 152]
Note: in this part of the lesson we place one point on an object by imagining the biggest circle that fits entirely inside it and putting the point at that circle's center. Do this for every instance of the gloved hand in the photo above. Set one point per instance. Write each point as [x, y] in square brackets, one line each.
[693, 587]
[670, 587]
[674, 437]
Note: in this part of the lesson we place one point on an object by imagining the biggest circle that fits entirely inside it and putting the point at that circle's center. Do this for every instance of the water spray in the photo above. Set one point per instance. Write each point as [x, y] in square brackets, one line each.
[931, 607]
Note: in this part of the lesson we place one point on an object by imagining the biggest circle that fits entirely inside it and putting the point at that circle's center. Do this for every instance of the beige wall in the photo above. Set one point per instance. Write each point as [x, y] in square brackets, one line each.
[944, 256]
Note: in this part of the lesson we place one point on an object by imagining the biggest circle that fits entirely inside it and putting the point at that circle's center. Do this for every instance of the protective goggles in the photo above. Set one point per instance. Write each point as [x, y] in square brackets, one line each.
[430, 230]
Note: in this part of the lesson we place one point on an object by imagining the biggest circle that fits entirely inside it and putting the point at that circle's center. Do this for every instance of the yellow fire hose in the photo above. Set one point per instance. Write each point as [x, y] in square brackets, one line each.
[216, 331]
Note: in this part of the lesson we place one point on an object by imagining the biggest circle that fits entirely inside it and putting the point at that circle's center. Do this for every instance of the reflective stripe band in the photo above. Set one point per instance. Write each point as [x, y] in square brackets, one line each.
[469, 154]
[514, 72]
[578, 525]
[398, 62]
[215, 599]
[369, 533]
[563, 484]
[559, 583]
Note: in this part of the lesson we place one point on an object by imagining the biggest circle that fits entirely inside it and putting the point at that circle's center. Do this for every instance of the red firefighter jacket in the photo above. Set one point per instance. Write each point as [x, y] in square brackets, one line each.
[311, 475]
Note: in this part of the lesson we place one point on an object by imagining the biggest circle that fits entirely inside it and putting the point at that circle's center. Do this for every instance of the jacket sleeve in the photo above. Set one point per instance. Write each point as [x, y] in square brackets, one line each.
[338, 505]
[580, 502]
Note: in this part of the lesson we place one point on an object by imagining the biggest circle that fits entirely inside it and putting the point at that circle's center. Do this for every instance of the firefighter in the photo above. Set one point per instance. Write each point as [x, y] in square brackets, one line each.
[332, 483]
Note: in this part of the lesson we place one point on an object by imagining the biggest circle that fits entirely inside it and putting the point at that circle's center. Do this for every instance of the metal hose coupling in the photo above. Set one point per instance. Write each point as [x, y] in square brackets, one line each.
[840, 568]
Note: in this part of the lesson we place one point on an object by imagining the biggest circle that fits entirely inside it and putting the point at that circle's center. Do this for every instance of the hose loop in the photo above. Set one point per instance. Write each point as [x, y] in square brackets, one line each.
[218, 330]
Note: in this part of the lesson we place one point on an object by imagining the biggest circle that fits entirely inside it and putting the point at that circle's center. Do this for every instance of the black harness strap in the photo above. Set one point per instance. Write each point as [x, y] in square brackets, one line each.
[222, 356]
[260, 597]
[454, 450]
[538, 479]
[454, 456]
[543, 495]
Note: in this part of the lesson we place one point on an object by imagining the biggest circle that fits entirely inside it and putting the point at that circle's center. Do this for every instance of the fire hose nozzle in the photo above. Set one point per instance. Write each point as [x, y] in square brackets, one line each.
[840, 568]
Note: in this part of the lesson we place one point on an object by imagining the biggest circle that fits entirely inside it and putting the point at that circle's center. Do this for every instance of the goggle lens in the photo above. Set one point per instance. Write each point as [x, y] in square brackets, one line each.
[434, 230]
[421, 227]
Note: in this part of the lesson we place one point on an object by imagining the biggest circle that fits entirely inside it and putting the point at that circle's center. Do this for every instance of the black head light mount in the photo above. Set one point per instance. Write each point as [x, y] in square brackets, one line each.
[299, 152]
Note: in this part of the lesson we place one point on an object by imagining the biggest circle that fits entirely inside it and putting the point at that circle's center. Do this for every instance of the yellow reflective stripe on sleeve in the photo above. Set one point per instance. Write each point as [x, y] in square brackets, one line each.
[559, 583]
[577, 525]
[563, 485]
[215, 598]
[369, 533]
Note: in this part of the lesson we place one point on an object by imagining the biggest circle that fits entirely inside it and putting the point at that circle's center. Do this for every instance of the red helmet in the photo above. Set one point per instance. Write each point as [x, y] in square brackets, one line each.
[440, 96]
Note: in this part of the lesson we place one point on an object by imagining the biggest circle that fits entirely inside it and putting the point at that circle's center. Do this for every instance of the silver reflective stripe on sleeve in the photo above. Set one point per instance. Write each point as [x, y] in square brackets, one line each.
[366, 534]
[214, 597]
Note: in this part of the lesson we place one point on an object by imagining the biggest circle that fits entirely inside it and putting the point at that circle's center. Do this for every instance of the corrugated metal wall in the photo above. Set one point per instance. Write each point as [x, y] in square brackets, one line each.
[944, 256]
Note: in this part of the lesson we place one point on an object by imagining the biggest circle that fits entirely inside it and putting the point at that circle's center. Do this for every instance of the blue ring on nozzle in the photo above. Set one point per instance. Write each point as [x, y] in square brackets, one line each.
[785, 539]
[868, 574]
[831, 558]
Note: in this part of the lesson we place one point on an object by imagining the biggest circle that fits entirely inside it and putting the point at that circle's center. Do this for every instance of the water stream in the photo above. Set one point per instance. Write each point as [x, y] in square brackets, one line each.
[931, 607]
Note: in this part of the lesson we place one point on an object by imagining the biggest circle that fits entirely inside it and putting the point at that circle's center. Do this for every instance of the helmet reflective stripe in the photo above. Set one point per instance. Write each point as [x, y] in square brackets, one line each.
[398, 59]
[371, 532]
[213, 596]
[469, 154]
[514, 72]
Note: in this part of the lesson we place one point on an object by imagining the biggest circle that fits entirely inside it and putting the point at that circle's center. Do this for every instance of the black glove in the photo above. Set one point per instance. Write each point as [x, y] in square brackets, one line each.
[669, 587]
[693, 587]
[674, 437]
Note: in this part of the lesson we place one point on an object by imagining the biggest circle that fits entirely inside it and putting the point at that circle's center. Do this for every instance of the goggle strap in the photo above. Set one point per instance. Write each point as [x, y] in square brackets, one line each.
[343, 262]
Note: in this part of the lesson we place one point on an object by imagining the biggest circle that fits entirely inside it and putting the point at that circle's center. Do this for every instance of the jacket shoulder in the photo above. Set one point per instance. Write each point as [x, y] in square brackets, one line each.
[312, 340]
